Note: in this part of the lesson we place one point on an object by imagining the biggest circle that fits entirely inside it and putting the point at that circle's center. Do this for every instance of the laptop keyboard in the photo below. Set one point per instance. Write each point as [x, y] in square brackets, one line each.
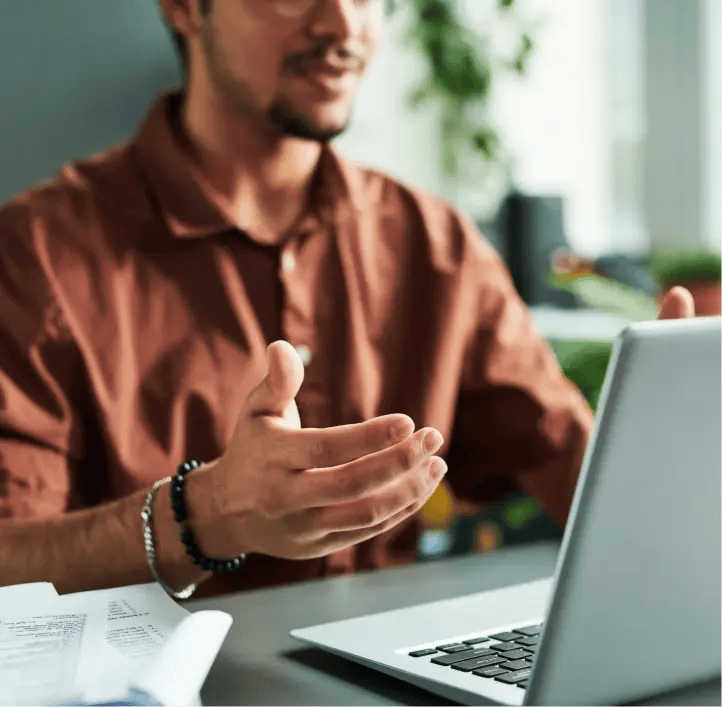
[507, 657]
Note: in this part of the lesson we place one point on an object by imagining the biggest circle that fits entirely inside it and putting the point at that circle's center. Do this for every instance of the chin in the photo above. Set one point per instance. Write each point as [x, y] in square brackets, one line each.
[327, 132]
[308, 127]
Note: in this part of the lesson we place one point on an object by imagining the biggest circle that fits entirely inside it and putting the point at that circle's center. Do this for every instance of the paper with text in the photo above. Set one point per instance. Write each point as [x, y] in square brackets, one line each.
[100, 646]
[40, 655]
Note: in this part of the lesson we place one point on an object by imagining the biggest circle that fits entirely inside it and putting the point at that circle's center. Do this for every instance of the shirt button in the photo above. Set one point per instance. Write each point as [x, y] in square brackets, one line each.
[304, 353]
[288, 261]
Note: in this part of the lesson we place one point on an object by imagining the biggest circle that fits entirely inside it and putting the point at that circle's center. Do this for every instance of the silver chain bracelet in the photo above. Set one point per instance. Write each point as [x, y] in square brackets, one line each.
[146, 515]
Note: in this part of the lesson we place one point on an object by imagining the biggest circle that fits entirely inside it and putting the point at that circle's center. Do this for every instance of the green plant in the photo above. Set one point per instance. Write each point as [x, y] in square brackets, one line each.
[597, 292]
[585, 364]
[460, 66]
[671, 268]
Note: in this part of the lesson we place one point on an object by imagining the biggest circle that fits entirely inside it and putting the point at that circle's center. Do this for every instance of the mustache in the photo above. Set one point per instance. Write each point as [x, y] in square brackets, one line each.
[345, 57]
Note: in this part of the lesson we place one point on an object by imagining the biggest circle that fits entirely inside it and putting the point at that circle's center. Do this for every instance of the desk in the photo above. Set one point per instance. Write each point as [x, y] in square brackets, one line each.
[260, 664]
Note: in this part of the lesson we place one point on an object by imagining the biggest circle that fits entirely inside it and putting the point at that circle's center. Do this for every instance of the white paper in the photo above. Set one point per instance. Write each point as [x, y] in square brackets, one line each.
[138, 619]
[21, 597]
[176, 675]
[98, 646]
[40, 655]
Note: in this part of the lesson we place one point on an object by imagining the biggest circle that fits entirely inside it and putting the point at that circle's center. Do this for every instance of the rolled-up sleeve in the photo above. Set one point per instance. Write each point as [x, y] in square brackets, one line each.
[519, 423]
[40, 433]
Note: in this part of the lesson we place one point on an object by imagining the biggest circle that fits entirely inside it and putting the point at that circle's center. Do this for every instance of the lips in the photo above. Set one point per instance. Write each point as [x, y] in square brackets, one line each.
[329, 68]
[330, 77]
[330, 62]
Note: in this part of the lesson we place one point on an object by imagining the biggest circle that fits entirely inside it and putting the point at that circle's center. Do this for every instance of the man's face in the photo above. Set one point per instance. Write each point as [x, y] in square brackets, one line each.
[291, 64]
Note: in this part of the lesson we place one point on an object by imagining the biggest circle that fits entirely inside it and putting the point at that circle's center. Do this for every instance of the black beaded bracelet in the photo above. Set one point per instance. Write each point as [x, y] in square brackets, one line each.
[177, 502]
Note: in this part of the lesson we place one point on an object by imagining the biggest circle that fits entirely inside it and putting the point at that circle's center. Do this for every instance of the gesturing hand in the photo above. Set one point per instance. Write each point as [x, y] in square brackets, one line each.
[300, 493]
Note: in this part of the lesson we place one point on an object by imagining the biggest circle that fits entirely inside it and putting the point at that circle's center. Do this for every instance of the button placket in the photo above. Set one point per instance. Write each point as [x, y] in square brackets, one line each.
[292, 284]
[299, 274]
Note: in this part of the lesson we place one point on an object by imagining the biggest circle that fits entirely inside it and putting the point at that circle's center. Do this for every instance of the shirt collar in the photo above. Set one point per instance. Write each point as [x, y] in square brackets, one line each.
[191, 207]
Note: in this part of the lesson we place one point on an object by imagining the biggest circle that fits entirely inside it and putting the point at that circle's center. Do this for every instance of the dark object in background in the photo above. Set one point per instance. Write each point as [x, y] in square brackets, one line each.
[629, 270]
[529, 229]
[515, 519]
[491, 230]
[528, 233]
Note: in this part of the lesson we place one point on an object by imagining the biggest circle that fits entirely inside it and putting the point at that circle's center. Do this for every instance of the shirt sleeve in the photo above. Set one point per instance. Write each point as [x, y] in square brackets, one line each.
[519, 423]
[40, 434]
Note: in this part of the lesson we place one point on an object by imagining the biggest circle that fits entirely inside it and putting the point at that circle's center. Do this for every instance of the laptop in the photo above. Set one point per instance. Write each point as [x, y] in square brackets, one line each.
[633, 608]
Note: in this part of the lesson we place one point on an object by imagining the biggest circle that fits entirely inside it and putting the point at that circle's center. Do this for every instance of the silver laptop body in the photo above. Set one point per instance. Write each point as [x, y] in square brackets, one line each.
[633, 609]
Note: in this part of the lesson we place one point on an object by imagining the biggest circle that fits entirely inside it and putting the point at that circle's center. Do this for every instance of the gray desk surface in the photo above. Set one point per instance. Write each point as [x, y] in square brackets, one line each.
[260, 664]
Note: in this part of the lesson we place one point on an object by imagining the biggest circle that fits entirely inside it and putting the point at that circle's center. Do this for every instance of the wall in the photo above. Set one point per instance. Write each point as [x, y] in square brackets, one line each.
[673, 168]
[76, 76]
[682, 167]
[711, 76]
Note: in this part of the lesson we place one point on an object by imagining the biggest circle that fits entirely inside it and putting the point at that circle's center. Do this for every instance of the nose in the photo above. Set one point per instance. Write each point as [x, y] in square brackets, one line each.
[339, 20]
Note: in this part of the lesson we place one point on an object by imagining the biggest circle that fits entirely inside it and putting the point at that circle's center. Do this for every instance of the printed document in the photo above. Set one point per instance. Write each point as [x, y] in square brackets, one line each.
[130, 645]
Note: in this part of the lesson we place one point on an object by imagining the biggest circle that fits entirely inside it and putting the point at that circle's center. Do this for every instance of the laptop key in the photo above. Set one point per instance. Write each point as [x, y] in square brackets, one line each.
[486, 661]
[456, 649]
[505, 636]
[423, 651]
[529, 630]
[474, 641]
[514, 655]
[516, 676]
[490, 672]
[506, 646]
[522, 684]
[531, 641]
[458, 657]
[516, 664]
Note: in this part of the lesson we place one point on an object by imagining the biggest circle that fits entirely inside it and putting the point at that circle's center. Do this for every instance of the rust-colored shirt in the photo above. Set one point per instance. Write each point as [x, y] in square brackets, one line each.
[135, 313]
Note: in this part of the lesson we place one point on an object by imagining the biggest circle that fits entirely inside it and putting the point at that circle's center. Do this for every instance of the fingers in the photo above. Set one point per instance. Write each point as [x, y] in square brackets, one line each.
[414, 488]
[341, 540]
[318, 448]
[678, 304]
[365, 475]
[338, 540]
[281, 384]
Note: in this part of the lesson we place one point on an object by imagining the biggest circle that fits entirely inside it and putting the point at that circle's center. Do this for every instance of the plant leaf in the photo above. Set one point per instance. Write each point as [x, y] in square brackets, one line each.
[486, 142]
[607, 295]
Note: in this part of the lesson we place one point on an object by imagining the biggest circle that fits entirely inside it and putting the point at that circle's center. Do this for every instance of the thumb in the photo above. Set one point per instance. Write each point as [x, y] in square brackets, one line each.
[678, 304]
[280, 386]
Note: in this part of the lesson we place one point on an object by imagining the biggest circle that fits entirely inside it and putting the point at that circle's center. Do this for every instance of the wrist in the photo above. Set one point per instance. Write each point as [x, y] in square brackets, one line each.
[217, 534]
[172, 562]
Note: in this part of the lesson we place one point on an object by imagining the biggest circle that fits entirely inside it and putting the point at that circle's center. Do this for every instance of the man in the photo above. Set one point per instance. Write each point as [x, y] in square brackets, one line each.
[139, 292]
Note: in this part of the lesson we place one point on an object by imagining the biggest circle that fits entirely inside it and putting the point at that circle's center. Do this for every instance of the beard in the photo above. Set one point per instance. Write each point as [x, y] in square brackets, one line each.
[290, 124]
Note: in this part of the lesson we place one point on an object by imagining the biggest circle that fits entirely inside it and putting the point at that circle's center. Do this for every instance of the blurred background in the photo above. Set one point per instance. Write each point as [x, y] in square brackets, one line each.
[583, 137]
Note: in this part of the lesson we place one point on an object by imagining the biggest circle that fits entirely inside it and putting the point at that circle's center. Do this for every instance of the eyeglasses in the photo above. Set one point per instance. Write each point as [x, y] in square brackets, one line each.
[297, 8]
